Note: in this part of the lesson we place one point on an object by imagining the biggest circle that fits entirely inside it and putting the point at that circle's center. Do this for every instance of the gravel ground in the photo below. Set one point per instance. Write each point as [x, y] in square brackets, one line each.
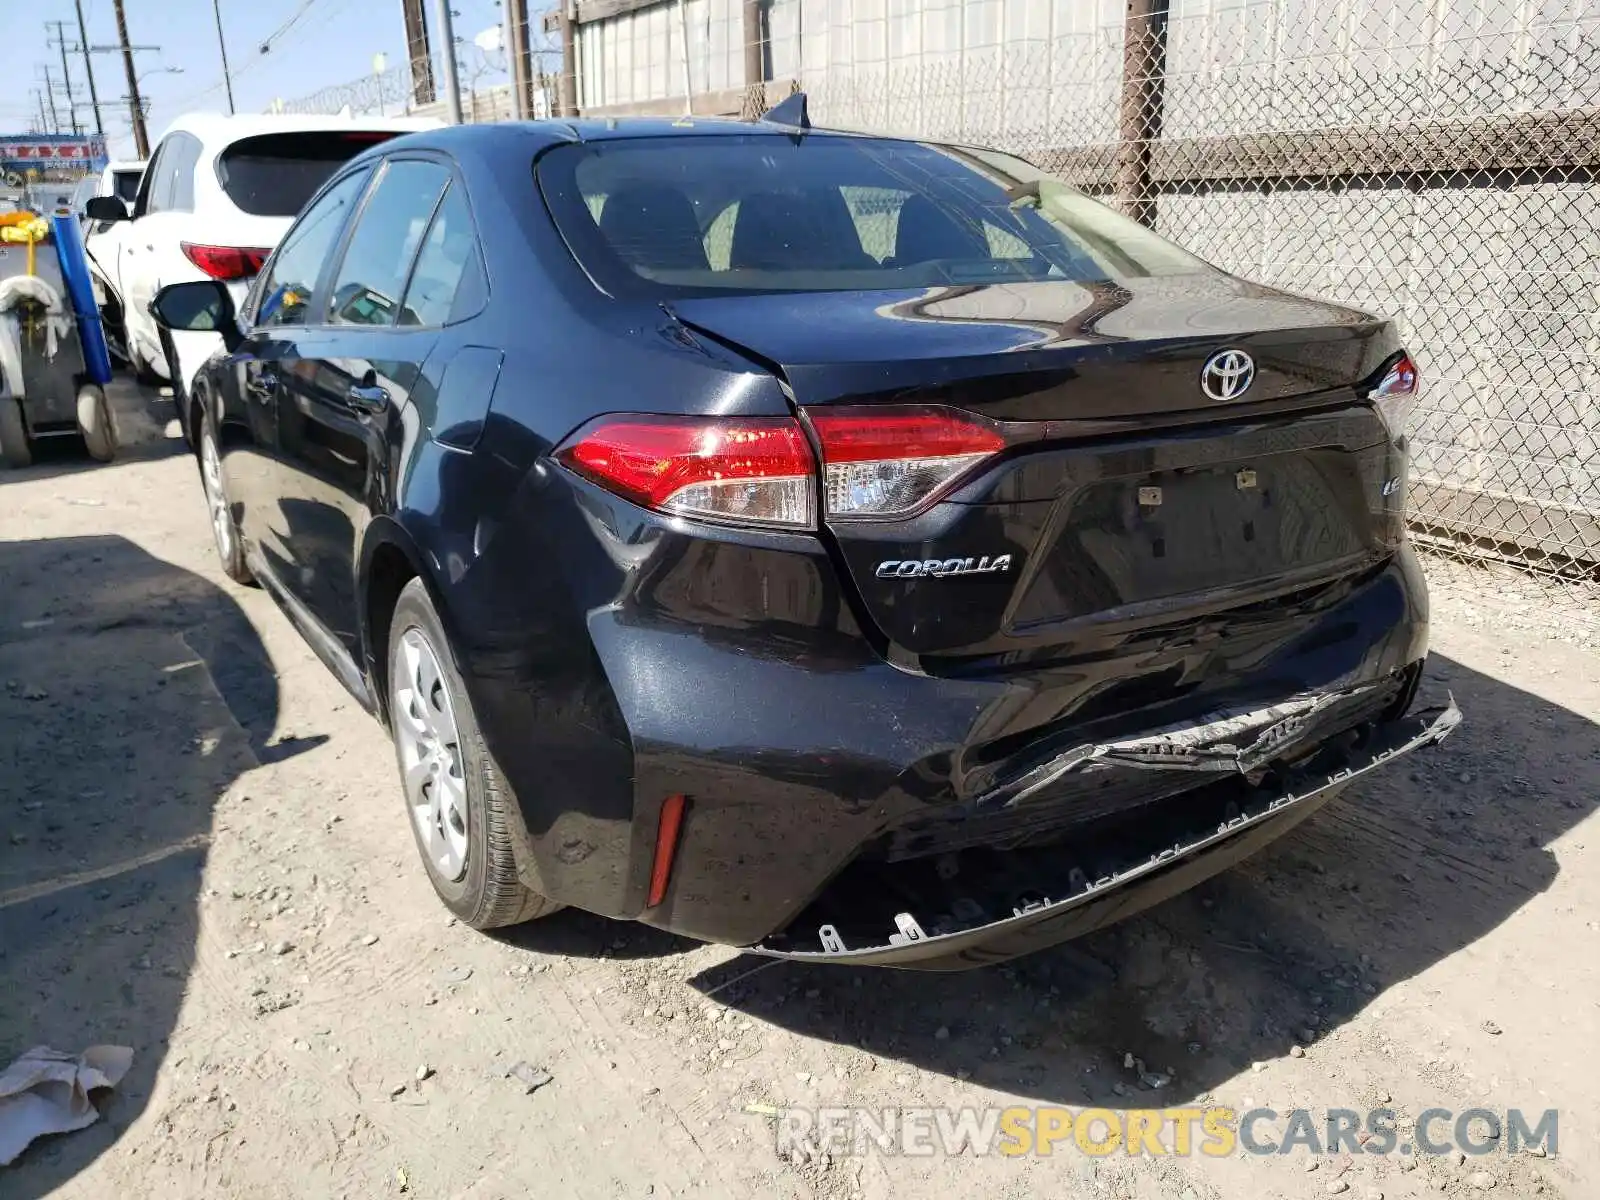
[203, 856]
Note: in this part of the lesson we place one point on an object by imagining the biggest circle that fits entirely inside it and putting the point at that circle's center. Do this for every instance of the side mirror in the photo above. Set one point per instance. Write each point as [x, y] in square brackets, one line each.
[105, 208]
[200, 306]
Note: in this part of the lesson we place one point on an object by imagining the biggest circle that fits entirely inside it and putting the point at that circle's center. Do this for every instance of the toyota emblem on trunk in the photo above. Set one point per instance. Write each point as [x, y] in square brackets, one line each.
[1227, 374]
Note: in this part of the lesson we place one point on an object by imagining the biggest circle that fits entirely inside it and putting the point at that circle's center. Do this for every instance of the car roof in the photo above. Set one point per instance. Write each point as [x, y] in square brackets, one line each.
[216, 129]
[126, 164]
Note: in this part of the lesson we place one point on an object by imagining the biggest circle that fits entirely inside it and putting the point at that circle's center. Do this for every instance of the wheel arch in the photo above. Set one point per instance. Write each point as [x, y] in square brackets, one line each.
[390, 558]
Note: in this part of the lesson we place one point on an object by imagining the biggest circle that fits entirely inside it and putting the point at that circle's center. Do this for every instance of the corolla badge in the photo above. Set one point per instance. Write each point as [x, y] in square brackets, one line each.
[1227, 374]
[941, 568]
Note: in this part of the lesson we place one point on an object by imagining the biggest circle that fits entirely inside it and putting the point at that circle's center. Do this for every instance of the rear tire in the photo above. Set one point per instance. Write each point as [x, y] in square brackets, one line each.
[94, 422]
[14, 448]
[143, 373]
[454, 796]
[219, 508]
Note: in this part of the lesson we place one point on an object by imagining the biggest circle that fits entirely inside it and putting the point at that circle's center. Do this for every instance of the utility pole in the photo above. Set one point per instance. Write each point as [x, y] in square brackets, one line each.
[1144, 73]
[88, 66]
[417, 51]
[141, 138]
[452, 83]
[50, 92]
[39, 96]
[515, 38]
[66, 74]
[227, 79]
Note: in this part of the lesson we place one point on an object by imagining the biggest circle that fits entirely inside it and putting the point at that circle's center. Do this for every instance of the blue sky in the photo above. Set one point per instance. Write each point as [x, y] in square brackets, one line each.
[328, 42]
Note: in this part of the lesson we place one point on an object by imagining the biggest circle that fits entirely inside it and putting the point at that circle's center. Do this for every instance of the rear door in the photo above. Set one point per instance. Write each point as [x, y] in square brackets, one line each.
[150, 248]
[346, 378]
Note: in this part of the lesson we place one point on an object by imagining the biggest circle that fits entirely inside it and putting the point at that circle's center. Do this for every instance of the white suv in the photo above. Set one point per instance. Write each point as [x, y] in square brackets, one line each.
[215, 198]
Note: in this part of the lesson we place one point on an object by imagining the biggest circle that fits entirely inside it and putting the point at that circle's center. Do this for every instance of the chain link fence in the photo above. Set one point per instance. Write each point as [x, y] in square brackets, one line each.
[1436, 163]
[1438, 171]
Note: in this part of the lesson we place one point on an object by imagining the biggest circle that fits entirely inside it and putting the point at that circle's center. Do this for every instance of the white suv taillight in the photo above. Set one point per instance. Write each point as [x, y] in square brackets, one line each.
[882, 462]
[745, 470]
[1395, 393]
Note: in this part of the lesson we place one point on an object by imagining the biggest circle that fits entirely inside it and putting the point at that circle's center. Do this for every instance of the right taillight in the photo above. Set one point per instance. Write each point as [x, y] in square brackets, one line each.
[1395, 392]
[880, 463]
[225, 262]
[743, 470]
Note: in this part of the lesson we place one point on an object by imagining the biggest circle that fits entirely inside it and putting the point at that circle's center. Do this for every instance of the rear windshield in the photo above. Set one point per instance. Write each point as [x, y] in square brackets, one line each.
[273, 175]
[769, 212]
[126, 185]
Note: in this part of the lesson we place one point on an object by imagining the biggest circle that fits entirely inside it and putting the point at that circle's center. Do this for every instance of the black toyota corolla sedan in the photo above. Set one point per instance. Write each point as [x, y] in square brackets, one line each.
[854, 549]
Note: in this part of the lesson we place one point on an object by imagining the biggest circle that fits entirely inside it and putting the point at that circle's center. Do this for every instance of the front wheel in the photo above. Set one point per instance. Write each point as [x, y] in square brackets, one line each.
[453, 791]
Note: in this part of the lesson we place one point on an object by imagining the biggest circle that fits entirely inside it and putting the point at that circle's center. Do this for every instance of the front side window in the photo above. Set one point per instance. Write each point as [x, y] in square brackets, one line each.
[125, 185]
[286, 286]
[372, 277]
[768, 212]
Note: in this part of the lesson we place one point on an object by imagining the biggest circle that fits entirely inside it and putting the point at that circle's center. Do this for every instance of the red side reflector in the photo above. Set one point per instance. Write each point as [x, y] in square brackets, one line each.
[225, 262]
[666, 846]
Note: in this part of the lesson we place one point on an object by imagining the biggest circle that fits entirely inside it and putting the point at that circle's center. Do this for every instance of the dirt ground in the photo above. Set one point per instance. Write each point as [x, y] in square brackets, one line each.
[203, 856]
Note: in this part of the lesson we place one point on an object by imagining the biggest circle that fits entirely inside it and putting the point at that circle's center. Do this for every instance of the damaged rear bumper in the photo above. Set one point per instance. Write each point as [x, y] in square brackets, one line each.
[1216, 828]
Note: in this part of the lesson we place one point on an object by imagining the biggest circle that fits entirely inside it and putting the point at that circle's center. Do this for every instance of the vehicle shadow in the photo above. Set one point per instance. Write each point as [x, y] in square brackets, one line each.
[1395, 875]
[132, 694]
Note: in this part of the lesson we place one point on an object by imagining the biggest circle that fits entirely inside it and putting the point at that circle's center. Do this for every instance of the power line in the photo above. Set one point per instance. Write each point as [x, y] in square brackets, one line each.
[270, 43]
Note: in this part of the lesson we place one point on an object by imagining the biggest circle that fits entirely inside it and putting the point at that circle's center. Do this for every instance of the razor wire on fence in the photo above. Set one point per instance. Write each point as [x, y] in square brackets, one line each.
[1436, 163]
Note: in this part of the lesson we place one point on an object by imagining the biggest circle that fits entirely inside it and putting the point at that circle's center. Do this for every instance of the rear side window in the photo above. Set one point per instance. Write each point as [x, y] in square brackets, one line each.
[447, 281]
[372, 278]
[768, 212]
[274, 174]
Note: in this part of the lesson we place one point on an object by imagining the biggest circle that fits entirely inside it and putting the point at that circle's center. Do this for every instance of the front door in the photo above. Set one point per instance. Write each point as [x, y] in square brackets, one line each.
[276, 318]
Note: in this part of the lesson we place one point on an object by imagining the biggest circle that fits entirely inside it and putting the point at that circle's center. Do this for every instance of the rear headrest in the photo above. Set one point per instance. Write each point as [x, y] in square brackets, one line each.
[926, 232]
[653, 226]
[789, 231]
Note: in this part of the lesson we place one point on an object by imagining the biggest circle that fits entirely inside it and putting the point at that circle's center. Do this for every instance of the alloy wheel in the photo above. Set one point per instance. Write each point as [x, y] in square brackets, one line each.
[430, 755]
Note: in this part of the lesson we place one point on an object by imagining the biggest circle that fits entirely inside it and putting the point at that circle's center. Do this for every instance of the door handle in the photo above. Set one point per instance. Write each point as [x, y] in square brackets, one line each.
[368, 399]
[263, 384]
